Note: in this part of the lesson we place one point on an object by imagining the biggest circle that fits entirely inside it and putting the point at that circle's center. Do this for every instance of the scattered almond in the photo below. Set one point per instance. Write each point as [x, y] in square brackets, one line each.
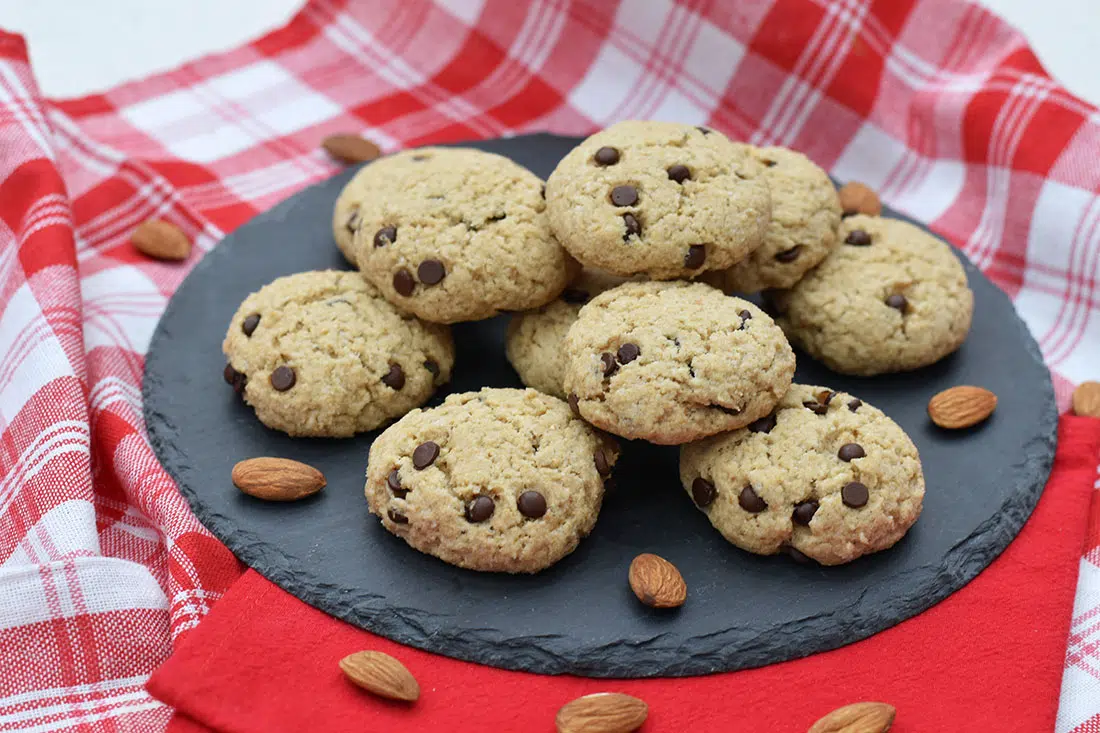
[162, 240]
[961, 407]
[657, 582]
[603, 712]
[860, 717]
[348, 148]
[859, 198]
[277, 479]
[1086, 399]
[381, 674]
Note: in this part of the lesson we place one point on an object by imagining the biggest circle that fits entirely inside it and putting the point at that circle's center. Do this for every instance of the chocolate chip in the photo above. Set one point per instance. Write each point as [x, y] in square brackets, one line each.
[696, 256]
[609, 365]
[804, 512]
[234, 379]
[480, 508]
[575, 296]
[816, 407]
[432, 367]
[799, 557]
[768, 162]
[531, 504]
[703, 492]
[425, 455]
[789, 255]
[602, 466]
[609, 485]
[607, 156]
[542, 191]
[750, 501]
[855, 404]
[250, 324]
[858, 237]
[574, 403]
[352, 223]
[704, 130]
[679, 173]
[898, 301]
[724, 408]
[403, 282]
[394, 482]
[430, 272]
[763, 425]
[628, 353]
[633, 226]
[624, 195]
[384, 236]
[745, 318]
[397, 517]
[395, 377]
[850, 451]
[826, 396]
[283, 378]
[854, 494]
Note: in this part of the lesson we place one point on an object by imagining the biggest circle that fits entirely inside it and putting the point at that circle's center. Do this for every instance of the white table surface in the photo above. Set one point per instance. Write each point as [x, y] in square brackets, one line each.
[82, 46]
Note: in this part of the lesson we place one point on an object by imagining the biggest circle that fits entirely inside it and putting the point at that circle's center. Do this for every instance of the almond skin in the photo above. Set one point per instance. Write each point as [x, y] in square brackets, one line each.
[859, 198]
[348, 148]
[961, 407]
[1086, 399]
[657, 582]
[161, 240]
[603, 712]
[860, 717]
[277, 479]
[381, 674]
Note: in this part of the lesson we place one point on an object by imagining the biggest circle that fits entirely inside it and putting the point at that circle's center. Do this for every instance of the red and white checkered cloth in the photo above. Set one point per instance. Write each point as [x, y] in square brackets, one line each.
[936, 103]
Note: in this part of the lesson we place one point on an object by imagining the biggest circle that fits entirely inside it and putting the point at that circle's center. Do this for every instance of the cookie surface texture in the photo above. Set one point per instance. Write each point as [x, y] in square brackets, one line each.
[504, 480]
[658, 198]
[456, 234]
[671, 362]
[323, 354]
[825, 474]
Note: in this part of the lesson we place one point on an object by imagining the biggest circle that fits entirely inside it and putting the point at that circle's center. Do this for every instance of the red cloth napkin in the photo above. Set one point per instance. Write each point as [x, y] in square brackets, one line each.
[989, 658]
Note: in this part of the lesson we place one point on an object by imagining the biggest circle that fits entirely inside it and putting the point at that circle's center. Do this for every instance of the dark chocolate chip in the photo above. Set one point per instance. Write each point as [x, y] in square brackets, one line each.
[575, 296]
[480, 508]
[763, 425]
[430, 272]
[607, 156]
[234, 379]
[816, 407]
[250, 324]
[602, 466]
[397, 517]
[854, 494]
[531, 504]
[384, 236]
[432, 366]
[628, 353]
[283, 378]
[796, 555]
[825, 396]
[394, 482]
[624, 195]
[855, 404]
[745, 318]
[695, 256]
[395, 377]
[633, 226]
[898, 301]
[574, 404]
[850, 451]
[750, 501]
[858, 237]
[679, 173]
[804, 512]
[352, 223]
[542, 191]
[609, 365]
[724, 408]
[768, 162]
[704, 130]
[789, 255]
[403, 282]
[703, 492]
[425, 455]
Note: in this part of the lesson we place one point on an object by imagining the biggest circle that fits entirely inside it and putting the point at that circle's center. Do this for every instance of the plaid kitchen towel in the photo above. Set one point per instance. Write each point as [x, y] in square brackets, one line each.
[935, 103]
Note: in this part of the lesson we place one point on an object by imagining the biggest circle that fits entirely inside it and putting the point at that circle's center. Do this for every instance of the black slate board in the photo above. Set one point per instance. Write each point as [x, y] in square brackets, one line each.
[580, 616]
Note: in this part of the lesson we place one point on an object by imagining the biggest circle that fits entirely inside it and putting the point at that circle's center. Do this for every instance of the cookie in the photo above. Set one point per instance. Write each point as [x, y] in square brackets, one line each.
[802, 231]
[323, 354]
[455, 234]
[671, 362]
[825, 476]
[658, 198]
[535, 338]
[505, 480]
[890, 298]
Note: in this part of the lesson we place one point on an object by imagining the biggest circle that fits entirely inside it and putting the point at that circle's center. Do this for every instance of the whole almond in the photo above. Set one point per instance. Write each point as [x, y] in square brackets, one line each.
[603, 712]
[381, 674]
[162, 240]
[860, 717]
[961, 407]
[1086, 399]
[657, 582]
[348, 148]
[859, 198]
[277, 479]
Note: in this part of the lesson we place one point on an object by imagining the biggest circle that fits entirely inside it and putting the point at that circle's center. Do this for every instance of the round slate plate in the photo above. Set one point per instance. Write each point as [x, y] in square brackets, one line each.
[580, 616]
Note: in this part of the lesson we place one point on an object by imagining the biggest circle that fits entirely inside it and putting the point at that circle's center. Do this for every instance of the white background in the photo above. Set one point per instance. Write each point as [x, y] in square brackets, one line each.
[82, 46]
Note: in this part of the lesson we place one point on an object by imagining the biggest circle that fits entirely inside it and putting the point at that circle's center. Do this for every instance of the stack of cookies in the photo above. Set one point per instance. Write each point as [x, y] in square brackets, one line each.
[617, 272]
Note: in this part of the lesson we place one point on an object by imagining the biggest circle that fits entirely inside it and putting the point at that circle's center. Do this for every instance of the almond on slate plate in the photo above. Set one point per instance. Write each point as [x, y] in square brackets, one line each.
[858, 198]
[657, 582]
[381, 674]
[348, 148]
[860, 717]
[604, 712]
[162, 240]
[277, 479]
[1086, 399]
[961, 407]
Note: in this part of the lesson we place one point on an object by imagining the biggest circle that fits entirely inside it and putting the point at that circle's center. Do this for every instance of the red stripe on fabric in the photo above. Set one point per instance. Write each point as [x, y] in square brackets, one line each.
[20, 193]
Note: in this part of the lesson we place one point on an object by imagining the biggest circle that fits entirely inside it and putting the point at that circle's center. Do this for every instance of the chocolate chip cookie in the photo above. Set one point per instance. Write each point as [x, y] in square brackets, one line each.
[536, 338]
[670, 362]
[455, 234]
[824, 476]
[802, 231]
[505, 480]
[658, 198]
[890, 298]
[323, 354]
